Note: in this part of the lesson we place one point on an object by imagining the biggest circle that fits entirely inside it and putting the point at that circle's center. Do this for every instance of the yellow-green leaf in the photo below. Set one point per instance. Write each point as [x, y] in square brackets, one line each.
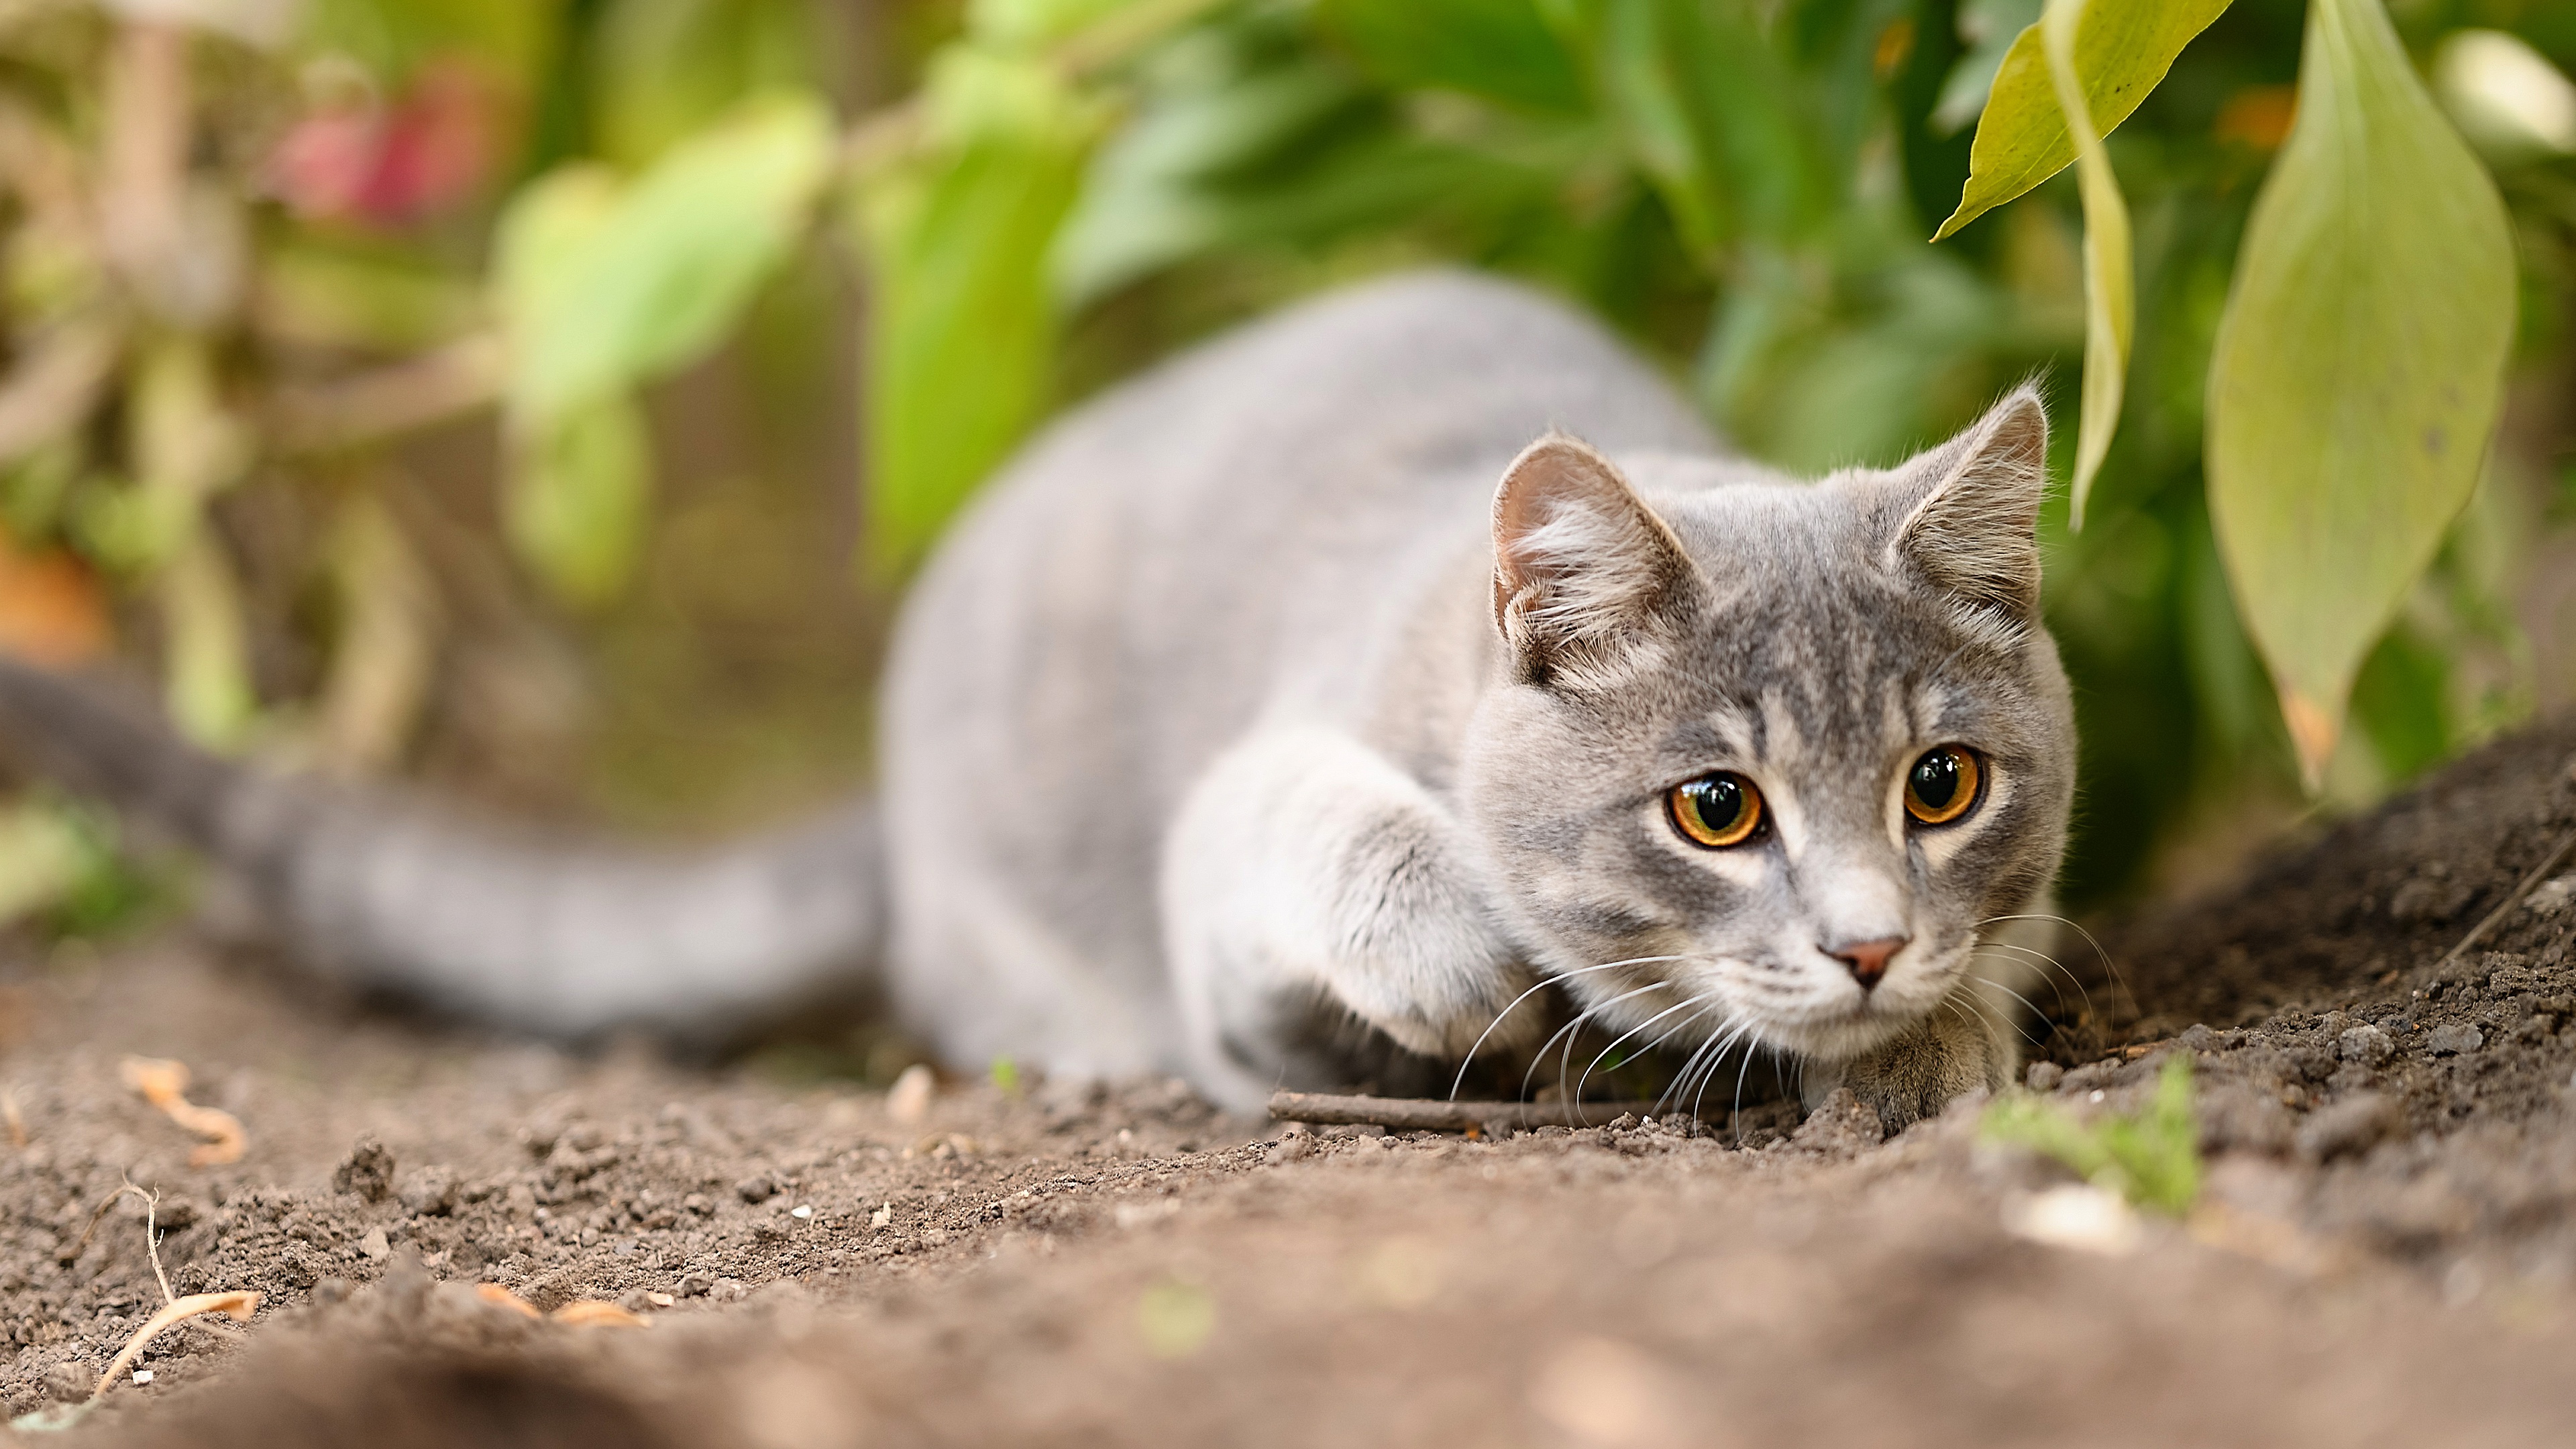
[2359, 369]
[579, 492]
[206, 646]
[2122, 50]
[2110, 281]
[602, 286]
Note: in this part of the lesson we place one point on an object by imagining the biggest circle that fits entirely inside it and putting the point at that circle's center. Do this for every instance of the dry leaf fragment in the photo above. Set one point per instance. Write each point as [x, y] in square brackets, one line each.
[238, 1305]
[500, 1297]
[163, 1083]
[595, 1313]
[586, 1312]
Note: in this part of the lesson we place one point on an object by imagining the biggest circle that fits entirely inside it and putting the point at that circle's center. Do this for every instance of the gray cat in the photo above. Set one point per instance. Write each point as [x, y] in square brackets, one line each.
[1289, 713]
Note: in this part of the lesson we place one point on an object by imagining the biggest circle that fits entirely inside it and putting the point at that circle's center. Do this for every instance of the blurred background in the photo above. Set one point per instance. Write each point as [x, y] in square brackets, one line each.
[545, 400]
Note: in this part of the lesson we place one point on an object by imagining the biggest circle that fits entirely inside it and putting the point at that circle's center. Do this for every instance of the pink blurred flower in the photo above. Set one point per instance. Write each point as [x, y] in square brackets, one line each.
[390, 165]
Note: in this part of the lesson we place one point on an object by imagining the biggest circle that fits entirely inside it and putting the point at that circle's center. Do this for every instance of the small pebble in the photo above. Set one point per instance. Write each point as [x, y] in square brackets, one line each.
[2044, 1076]
[2353, 1125]
[2453, 1040]
[2367, 1045]
[909, 1101]
[374, 1245]
[143, 1376]
[800, 1212]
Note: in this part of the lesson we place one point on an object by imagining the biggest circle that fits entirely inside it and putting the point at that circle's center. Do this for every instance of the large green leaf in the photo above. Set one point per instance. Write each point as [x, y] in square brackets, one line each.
[2359, 368]
[602, 286]
[962, 322]
[2110, 280]
[2122, 49]
[1501, 49]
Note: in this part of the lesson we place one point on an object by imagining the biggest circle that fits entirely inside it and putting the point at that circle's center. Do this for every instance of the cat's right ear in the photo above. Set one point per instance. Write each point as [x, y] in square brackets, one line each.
[1583, 569]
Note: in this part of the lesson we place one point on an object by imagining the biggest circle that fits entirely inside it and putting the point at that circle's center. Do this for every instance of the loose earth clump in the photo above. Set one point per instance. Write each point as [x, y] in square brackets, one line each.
[2383, 1251]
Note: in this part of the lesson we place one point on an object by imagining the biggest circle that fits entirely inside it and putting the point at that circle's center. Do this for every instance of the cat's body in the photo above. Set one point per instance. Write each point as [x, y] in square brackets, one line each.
[1210, 732]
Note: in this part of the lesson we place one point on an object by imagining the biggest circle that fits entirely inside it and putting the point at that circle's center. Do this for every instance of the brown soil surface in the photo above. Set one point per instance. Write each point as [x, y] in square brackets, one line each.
[2385, 1251]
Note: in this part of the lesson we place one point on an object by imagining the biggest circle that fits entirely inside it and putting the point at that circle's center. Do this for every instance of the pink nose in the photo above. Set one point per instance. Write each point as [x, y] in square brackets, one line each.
[1867, 959]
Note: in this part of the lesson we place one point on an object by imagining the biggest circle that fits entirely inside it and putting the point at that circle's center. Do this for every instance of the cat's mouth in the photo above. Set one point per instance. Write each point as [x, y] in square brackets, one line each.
[1837, 1023]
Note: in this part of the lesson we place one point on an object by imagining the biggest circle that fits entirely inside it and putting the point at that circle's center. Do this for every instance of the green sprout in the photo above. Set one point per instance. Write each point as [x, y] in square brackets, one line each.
[1006, 1075]
[2151, 1158]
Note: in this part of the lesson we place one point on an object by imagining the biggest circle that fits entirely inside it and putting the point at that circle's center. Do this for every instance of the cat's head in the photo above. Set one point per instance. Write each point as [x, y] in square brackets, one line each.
[1787, 751]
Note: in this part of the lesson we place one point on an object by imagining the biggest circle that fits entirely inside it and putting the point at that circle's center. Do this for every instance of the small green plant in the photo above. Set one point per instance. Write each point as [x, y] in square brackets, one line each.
[1006, 1076]
[2151, 1158]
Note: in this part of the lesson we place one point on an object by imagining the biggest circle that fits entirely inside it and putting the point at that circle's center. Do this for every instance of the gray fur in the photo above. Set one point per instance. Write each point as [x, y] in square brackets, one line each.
[1214, 740]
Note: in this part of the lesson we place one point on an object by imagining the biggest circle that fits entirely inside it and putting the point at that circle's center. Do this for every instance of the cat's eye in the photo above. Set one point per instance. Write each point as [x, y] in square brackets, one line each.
[1943, 785]
[1716, 810]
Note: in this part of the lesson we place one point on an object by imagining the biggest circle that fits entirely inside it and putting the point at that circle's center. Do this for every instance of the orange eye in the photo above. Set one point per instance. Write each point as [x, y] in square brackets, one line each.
[1943, 785]
[1716, 810]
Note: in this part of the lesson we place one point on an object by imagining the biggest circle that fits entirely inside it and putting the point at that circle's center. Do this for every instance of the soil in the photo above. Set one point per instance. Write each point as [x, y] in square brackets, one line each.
[2384, 1250]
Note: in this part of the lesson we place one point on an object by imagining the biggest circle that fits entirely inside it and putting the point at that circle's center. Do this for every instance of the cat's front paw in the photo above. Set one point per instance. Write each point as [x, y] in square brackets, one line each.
[1469, 1005]
[1920, 1073]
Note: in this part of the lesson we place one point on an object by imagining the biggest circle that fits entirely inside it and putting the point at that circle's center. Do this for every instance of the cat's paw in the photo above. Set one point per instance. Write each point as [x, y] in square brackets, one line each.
[1449, 1009]
[1920, 1073]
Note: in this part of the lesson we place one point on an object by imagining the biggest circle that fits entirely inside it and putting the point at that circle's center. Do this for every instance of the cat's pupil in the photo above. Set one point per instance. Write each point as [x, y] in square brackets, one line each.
[1720, 802]
[1936, 779]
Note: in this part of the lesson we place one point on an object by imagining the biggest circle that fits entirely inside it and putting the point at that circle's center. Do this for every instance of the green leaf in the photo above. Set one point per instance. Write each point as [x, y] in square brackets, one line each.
[1503, 50]
[603, 286]
[2151, 1158]
[1157, 192]
[1713, 119]
[2122, 49]
[962, 326]
[2110, 278]
[2359, 369]
[578, 495]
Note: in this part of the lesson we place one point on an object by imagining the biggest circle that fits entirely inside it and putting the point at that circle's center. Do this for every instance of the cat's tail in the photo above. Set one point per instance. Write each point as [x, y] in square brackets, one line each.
[555, 937]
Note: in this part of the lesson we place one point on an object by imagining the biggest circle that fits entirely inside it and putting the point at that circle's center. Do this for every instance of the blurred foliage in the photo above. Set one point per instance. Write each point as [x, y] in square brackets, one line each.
[2150, 1157]
[259, 259]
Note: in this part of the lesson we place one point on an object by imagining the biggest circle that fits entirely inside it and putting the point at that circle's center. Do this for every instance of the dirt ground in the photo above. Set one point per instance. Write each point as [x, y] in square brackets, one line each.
[2384, 1252]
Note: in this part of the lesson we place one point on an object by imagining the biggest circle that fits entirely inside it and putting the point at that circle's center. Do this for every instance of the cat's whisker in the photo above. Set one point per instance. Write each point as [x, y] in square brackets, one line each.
[2110, 967]
[2027, 1003]
[1599, 1056]
[2033, 955]
[1565, 1061]
[1664, 1098]
[1985, 1013]
[1500, 1016]
[1735, 1113]
[1708, 1074]
[1690, 1065]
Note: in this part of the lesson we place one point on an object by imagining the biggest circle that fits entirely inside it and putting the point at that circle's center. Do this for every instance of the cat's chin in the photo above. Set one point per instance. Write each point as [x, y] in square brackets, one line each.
[1842, 1035]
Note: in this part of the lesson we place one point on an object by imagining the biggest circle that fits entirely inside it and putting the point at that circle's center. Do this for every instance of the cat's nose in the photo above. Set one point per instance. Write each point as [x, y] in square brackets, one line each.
[1867, 959]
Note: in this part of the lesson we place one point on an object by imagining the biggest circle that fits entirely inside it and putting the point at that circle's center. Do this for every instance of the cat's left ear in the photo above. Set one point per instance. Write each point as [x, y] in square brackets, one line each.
[1972, 529]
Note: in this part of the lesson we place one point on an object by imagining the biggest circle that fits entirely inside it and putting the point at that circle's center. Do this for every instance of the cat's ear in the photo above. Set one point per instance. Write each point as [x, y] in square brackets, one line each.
[1583, 569]
[1972, 529]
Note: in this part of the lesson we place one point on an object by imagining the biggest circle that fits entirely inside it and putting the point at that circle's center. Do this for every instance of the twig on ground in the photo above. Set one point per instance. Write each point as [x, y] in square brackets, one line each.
[91, 1231]
[2488, 922]
[10, 1114]
[1432, 1114]
[164, 1084]
[237, 1305]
